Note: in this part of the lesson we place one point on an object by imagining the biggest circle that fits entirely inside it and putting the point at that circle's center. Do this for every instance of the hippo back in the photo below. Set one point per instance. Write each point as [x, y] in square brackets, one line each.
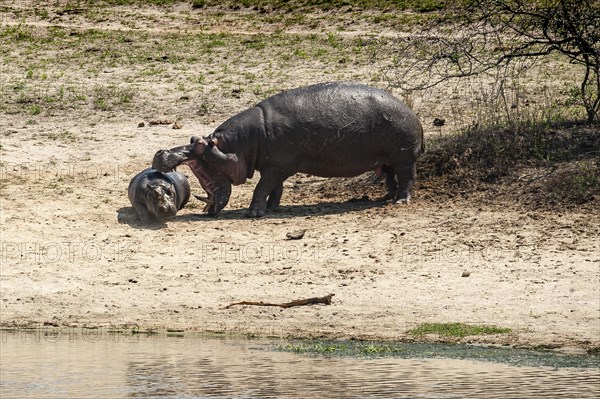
[136, 181]
[339, 129]
[182, 187]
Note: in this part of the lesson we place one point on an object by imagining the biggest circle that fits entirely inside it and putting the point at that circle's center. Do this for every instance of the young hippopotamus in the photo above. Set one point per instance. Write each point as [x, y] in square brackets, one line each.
[338, 129]
[156, 195]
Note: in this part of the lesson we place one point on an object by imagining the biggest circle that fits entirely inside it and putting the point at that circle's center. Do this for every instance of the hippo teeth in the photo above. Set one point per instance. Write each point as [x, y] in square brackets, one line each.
[206, 182]
[209, 202]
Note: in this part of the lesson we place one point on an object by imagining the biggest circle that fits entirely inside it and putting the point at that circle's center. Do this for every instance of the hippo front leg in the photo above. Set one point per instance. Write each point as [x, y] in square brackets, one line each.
[269, 186]
[143, 213]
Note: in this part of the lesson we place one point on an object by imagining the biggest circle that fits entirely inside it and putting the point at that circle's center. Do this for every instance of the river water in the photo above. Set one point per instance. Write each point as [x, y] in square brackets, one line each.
[62, 365]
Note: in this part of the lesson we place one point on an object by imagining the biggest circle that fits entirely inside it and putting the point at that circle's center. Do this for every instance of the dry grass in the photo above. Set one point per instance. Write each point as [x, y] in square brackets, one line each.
[542, 166]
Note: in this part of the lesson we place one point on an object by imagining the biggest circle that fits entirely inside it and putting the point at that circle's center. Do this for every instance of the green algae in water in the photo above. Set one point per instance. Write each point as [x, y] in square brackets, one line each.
[457, 329]
[375, 349]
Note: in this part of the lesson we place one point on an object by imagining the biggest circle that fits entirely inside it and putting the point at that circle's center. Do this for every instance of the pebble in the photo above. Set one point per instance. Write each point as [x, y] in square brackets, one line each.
[295, 235]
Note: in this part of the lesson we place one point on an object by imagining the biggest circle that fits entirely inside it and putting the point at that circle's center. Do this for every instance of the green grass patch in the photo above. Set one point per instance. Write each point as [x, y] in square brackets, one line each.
[198, 3]
[35, 109]
[18, 33]
[457, 330]
[85, 77]
[106, 98]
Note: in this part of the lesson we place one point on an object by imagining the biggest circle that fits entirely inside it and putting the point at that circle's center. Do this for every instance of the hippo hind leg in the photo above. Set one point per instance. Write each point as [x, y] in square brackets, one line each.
[390, 181]
[406, 176]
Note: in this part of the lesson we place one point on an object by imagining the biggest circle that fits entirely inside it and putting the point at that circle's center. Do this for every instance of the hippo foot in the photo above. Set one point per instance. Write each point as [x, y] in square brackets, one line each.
[255, 212]
[402, 201]
[388, 197]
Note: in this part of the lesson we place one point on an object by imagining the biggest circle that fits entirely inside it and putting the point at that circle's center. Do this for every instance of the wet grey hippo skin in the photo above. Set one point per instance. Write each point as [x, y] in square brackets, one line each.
[156, 195]
[338, 129]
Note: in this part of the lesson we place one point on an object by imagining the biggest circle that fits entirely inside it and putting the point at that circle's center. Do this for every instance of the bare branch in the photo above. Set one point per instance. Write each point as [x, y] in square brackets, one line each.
[491, 34]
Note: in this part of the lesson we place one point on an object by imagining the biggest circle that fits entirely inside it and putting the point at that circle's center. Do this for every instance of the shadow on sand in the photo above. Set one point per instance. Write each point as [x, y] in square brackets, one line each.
[128, 215]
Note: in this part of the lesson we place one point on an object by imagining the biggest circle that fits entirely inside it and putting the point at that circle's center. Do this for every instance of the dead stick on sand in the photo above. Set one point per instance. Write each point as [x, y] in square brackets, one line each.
[326, 300]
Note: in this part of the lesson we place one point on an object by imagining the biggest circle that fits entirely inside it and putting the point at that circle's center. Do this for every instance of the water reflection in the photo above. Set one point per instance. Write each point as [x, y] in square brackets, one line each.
[153, 367]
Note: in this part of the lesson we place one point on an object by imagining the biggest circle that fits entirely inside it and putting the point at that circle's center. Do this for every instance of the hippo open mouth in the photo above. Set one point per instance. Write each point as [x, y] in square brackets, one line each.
[218, 191]
[210, 166]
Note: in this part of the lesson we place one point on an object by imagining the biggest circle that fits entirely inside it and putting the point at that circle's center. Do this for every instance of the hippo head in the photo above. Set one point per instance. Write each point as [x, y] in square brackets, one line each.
[213, 169]
[162, 202]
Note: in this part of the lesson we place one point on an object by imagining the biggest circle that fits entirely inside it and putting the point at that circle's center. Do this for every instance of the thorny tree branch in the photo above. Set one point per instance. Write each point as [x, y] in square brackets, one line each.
[487, 35]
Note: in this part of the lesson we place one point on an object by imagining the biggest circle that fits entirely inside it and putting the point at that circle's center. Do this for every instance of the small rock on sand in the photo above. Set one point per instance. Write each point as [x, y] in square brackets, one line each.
[295, 235]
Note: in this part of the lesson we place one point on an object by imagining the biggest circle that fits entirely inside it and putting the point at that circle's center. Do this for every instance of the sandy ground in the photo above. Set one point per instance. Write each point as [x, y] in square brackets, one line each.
[73, 253]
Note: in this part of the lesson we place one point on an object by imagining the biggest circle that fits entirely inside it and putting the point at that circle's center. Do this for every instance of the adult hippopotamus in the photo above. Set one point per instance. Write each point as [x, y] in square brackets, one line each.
[338, 129]
[156, 195]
